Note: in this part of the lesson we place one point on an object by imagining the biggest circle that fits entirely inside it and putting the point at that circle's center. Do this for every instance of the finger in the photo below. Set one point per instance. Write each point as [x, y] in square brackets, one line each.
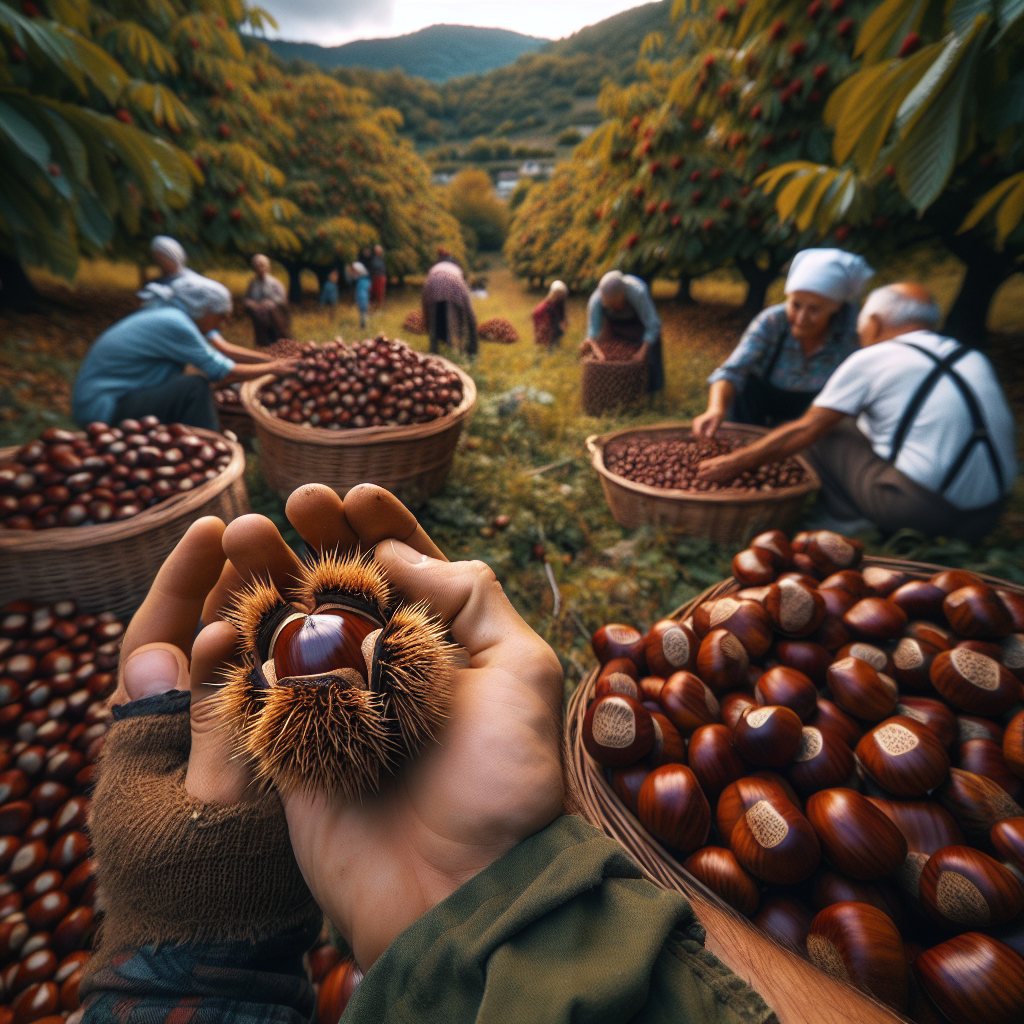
[258, 551]
[317, 513]
[171, 610]
[483, 621]
[215, 775]
[376, 514]
[150, 670]
[221, 597]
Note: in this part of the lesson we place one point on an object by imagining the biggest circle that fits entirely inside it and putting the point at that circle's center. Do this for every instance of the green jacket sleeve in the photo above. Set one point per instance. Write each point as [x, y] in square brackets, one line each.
[563, 929]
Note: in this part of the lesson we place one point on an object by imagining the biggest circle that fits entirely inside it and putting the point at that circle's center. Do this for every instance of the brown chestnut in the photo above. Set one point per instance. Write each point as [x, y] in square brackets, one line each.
[965, 888]
[733, 707]
[670, 647]
[875, 618]
[618, 641]
[617, 731]
[794, 609]
[831, 634]
[877, 658]
[937, 636]
[1008, 838]
[650, 689]
[976, 803]
[985, 757]
[669, 746]
[919, 599]
[830, 887]
[768, 736]
[36, 1002]
[855, 835]
[822, 762]
[953, 579]
[1013, 745]
[627, 782]
[776, 544]
[746, 620]
[754, 567]
[977, 727]
[722, 661]
[617, 682]
[787, 920]
[739, 796]
[904, 757]
[973, 979]
[862, 691]
[846, 579]
[1014, 602]
[976, 612]
[713, 759]
[1012, 653]
[810, 658]
[623, 665]
[882, 582]
[831, 716]
[830, 552]
[688, 702]
[718, 869]
[789, 688]
[912, 662]
[673, 808]
[932, 714]
[837, 602]
[775, 842]
[858, 943]
[973, 682]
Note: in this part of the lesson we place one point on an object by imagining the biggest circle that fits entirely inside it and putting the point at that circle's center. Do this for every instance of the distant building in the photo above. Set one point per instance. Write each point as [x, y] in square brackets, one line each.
[506, 183]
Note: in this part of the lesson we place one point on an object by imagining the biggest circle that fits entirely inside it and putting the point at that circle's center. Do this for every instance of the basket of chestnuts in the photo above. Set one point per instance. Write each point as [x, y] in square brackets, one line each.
[831, 750]
[377, 411]
[649, 478]
[91, 515]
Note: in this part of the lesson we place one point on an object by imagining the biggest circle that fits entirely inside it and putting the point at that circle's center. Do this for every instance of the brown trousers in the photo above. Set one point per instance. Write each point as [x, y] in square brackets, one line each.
[856, 483]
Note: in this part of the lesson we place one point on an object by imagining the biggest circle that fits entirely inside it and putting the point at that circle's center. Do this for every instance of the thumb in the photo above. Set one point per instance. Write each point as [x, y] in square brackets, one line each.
[216, 774]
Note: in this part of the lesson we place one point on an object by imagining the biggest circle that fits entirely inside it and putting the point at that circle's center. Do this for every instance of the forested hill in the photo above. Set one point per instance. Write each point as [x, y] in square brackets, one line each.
[437, 53]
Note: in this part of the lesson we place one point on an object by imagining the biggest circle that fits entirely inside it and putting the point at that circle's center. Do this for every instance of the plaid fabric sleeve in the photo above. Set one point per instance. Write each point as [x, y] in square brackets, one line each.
[210, 983]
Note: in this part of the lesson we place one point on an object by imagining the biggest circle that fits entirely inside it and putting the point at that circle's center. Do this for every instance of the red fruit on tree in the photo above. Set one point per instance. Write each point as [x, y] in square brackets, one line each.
[890, 171]
[697, 124]
[632, 240]
[778, 29]
[745, 191]
[722, 14]
[665, 206]
[676, 221]
[123, 116]
[756, 111]
[635, 123]
[655, 166]
[54, 169]
[29, 9]
[694, 175]
[696, 197]
[677, 162]
[709, 62]
[708, 224]
[194, 43]
[797, 48]
[814, 9]
[836, 6]
[843, 232]
[236, 215]
[651, 208]
[911, 42]
[716, 174]
[820, 71]
[224, 131]
[727, 204]
[844, 27]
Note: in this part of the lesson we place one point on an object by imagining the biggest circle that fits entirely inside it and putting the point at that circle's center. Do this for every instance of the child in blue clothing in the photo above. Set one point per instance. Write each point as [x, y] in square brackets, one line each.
[329, 292]
[360, 277]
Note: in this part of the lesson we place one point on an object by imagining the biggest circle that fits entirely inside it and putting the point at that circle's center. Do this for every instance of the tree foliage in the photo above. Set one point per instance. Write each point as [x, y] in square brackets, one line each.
[483, 217]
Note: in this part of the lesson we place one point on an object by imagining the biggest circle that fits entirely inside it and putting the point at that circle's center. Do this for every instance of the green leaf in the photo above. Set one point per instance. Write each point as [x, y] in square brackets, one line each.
[23, 134]
[989, 201]
[1010, 214]
[887, 25]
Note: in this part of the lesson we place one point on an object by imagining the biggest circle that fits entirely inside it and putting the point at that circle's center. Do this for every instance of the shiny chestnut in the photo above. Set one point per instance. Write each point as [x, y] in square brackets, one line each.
[862, 691]
[718, 869]
[688, 703]
[669, 647]
[962, 887]
[789, 688]
[673, 808]
[855, 835]
[722, 661]
[974, 682]
[617, 731]
[904, 757]
[713, 759]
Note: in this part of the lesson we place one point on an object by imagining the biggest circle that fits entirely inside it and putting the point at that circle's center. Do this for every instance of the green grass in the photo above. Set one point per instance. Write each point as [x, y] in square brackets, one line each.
[528, 417]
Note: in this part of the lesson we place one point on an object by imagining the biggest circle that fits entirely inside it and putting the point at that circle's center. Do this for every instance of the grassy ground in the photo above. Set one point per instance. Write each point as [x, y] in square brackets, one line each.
[528, 418]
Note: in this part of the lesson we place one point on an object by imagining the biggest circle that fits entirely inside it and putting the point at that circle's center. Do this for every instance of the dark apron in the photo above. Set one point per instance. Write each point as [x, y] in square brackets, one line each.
[979, 435]
[762, 404]
[629, 332]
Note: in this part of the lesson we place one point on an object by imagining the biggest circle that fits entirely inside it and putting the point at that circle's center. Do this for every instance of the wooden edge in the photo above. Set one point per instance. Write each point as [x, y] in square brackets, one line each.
[797, 991]
[596, 449]
[355, 436]
[72, 538]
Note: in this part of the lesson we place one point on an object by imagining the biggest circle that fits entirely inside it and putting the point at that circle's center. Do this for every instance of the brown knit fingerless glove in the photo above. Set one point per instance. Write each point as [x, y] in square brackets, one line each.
[173, 869]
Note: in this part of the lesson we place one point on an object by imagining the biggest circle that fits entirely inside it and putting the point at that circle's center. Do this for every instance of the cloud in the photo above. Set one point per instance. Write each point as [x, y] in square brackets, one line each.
[329, 21]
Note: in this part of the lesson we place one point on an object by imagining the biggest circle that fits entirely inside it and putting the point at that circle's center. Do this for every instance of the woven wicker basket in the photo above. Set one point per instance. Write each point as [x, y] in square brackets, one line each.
[235, 419]
[606, 385]
[110, 567]
[727, 930]
[413, 462]
[722, 516]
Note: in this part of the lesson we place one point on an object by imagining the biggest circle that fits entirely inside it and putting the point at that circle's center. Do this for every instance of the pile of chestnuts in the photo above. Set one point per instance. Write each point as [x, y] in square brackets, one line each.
[104, 474]
[499, 329]
[56, 668]
[229, 398]
[838, 754]
[378, 382]
[672, 464]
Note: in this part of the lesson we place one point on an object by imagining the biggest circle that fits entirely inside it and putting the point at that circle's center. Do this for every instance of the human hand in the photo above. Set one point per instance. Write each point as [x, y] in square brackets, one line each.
[706, 424]
[721, 469]
[282, 367]
[640, 354]
[589, 347]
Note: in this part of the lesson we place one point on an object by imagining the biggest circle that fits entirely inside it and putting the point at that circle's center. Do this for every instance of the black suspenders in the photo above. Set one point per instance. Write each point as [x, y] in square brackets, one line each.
[979, 435]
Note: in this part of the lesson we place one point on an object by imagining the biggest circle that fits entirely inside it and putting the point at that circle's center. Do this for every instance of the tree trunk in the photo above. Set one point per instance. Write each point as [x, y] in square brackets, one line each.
[17, 292]
[758, 281]
[986, 271]
[683, 296]
[294, 282]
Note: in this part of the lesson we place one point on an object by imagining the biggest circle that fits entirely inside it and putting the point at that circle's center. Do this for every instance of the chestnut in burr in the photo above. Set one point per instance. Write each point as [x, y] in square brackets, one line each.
[904, 757]
[973, 979]
[669, 647]
[718, 869]
[673, 808]
[973, 682]
[962, 887]
[855, 835]
[858, 943]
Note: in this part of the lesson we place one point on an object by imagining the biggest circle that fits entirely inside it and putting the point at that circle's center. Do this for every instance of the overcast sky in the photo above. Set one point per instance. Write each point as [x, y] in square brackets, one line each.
[330, 22]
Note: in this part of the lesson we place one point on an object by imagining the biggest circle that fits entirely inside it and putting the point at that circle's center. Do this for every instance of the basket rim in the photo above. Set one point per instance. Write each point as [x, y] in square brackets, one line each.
[596, 444]
[356, 436]
[68, 538]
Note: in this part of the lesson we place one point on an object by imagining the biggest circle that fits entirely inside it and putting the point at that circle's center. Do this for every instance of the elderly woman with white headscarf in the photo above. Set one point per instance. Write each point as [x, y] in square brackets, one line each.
[137, 367]
[549, 321]
[169, 255]
[622, 324]
[790, 350]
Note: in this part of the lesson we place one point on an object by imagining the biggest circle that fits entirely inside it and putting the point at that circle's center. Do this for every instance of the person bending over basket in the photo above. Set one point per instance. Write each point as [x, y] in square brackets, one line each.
[466, 891]
[621, 317]
[790, 350]
[137, 367]
[448, 308]
[913, 430]
[549, 321]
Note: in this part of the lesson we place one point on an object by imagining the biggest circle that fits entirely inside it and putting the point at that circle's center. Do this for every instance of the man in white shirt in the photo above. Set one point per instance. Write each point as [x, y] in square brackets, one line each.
[912, 431]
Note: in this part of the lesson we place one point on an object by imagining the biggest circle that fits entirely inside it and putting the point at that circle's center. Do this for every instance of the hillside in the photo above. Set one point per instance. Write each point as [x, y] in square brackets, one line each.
[437, 53]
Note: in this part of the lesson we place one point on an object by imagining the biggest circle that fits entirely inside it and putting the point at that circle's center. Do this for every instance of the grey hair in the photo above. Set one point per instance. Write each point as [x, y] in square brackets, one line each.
[613, 285]
[558, 288]
[895, 309]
